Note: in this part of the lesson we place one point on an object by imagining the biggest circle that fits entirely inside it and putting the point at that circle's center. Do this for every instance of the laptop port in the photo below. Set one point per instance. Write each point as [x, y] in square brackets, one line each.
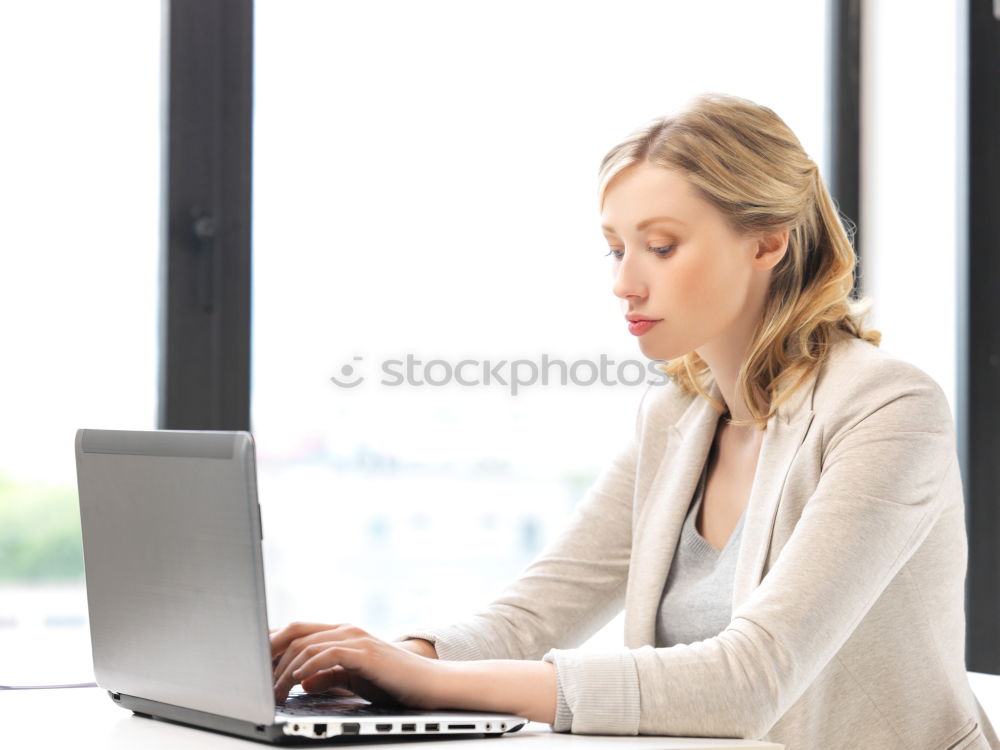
[461, 726]
[383, 727]
[431, 727]
[319, 730]
[350, 728]
[409, 727]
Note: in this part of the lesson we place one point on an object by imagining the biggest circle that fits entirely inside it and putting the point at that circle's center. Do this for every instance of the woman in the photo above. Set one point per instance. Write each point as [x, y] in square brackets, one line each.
[785, 530]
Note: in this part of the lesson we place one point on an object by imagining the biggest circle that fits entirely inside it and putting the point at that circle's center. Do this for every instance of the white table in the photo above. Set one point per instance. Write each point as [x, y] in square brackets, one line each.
[86, 718]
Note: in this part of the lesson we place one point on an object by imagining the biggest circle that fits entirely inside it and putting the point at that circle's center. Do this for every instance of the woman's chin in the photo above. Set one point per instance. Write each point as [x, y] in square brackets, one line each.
[652, 350]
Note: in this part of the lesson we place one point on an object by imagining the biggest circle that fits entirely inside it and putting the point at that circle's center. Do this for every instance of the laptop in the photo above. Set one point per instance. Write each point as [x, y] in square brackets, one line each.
[175, 591]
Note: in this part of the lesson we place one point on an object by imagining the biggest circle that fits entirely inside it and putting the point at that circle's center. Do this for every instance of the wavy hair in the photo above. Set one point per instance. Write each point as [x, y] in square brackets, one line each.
[742, 158]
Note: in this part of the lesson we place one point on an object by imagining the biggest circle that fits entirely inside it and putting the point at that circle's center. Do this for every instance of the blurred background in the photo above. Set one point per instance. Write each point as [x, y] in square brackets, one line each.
[210, 209]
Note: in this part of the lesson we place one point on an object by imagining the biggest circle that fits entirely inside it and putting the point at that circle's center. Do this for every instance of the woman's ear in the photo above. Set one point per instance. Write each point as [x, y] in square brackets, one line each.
[771, 248]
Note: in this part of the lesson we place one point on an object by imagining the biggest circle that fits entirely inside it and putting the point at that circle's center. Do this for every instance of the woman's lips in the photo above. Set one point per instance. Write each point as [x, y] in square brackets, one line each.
[639, 327]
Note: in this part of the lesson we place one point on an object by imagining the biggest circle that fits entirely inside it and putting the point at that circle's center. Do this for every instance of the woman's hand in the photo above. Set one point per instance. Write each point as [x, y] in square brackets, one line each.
[344, 659]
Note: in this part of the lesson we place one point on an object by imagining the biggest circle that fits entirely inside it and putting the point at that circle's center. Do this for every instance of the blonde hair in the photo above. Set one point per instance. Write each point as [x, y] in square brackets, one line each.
[743, 159]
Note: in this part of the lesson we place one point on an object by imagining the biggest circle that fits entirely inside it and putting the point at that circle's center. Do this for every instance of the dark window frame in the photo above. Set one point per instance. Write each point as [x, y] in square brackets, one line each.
[204, 366]
[843, 82]
[978, 336]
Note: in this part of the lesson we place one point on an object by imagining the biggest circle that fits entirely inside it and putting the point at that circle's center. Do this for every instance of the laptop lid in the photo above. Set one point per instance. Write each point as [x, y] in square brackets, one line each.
[175, 579]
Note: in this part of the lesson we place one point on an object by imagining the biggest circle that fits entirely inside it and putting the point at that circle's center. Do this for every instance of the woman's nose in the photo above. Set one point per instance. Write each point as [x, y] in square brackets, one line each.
[627, 278]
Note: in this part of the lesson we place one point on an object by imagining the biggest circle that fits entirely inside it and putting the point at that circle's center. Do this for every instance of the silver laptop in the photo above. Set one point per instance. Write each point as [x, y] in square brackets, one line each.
[175, 590]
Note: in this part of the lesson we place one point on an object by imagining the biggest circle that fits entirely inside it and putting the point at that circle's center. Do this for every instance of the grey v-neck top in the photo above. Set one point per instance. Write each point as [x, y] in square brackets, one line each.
[697, 595]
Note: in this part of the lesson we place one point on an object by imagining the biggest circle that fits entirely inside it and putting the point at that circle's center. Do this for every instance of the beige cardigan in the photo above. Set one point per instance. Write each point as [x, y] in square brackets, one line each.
[848, 626]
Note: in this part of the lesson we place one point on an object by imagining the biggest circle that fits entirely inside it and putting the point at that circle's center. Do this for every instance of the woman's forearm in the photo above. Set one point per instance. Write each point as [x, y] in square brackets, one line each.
[525, 688]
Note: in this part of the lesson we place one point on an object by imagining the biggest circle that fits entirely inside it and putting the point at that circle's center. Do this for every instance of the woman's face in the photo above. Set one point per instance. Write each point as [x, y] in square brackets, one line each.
[706, 290]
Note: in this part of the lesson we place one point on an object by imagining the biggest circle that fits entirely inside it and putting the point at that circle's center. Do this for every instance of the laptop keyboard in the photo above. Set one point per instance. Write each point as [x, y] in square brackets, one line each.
[319, 704]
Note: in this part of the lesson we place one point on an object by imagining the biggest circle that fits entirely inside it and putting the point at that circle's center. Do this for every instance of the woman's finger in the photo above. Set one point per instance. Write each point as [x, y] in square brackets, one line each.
[281, 637]
[297, 654]
[325, 656]
[325, 684]
[295, 647]
[339, 681]
[312, 659]
[333, 681]
[333, 633]
[348, 682]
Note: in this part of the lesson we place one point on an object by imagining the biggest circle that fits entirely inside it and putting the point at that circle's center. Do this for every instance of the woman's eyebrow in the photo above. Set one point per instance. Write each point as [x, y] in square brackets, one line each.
[646, 222]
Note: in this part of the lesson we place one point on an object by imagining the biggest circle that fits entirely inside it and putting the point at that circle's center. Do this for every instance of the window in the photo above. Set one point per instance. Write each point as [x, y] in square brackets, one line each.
[80, 190]
[425, 184]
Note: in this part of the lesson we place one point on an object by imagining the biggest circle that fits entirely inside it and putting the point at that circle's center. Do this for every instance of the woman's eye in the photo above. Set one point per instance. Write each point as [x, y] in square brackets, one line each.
[658, 250]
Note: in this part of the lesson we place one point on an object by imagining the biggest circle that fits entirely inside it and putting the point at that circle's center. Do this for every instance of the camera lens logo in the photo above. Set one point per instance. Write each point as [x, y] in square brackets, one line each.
[347, 371]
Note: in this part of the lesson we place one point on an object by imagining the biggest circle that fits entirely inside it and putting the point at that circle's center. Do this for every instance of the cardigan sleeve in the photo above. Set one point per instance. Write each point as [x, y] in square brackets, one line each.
[572, 588]
[877, 498]
[598, 692]
[563, 721]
